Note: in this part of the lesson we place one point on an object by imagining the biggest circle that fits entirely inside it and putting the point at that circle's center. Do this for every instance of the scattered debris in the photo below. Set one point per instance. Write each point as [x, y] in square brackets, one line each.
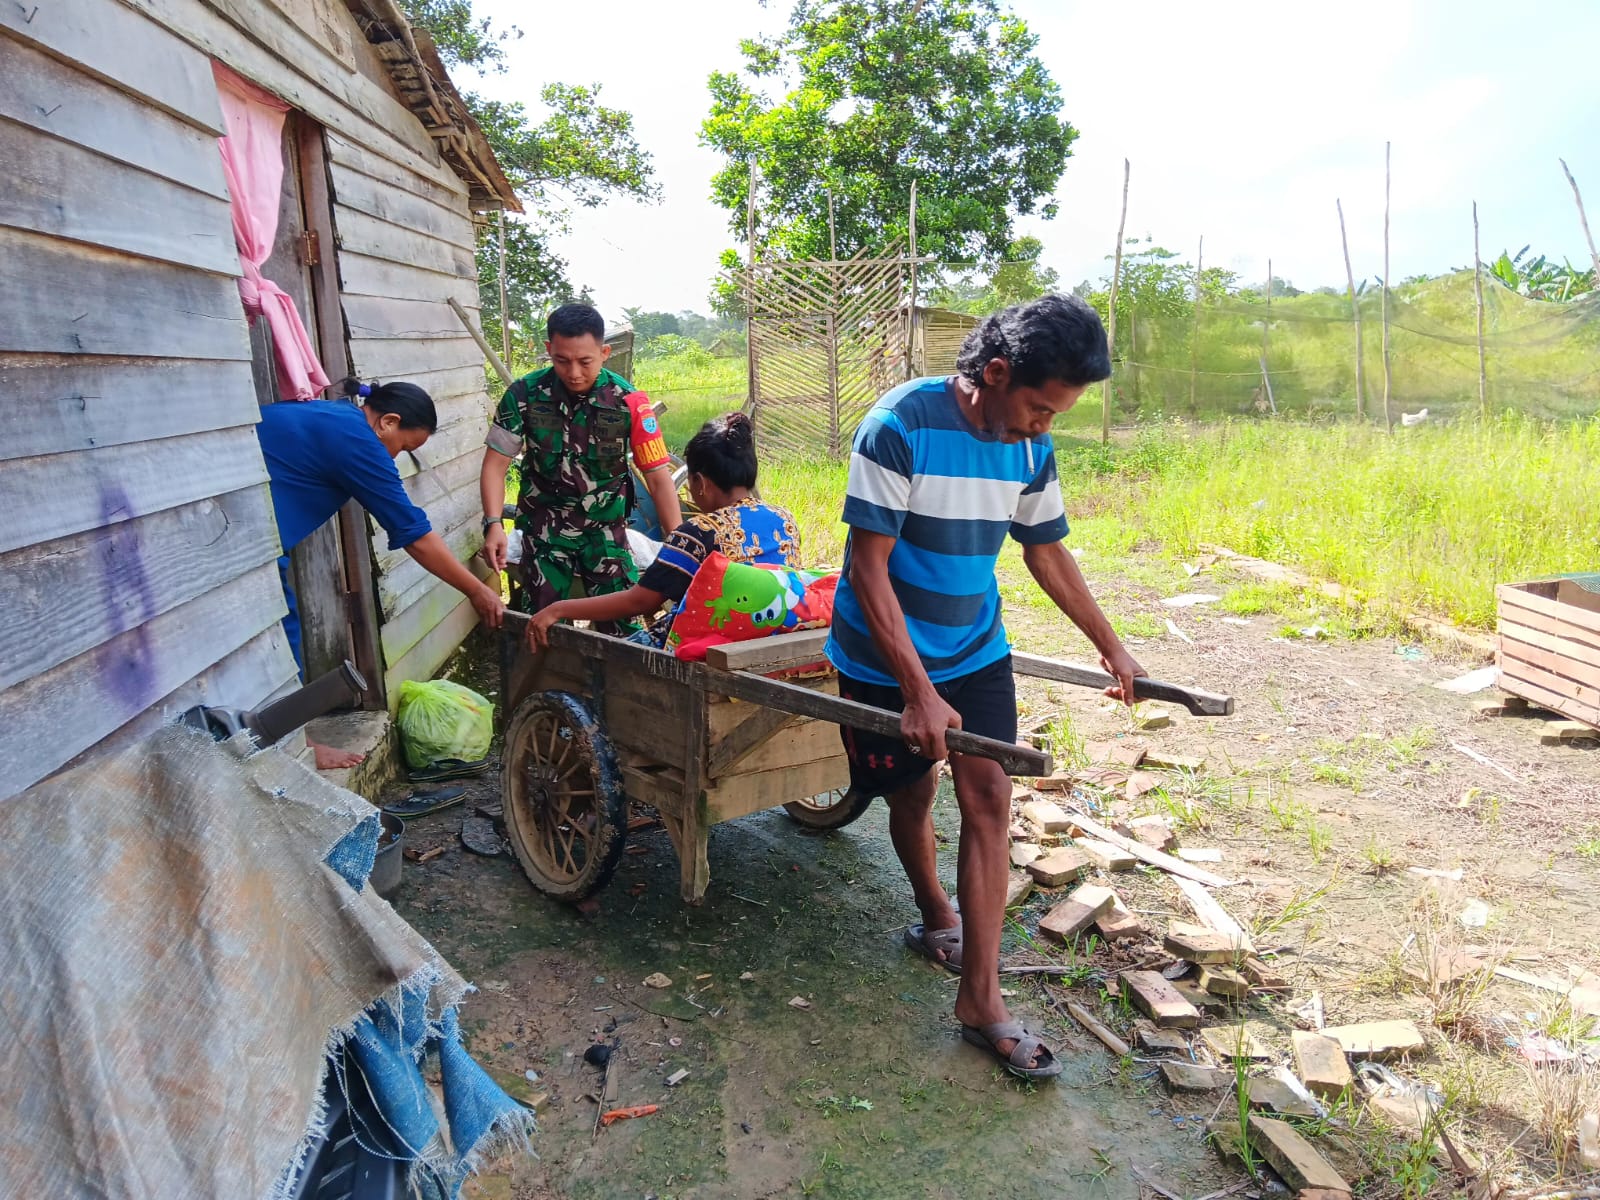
[1275, 1095]
[1454, 876]
[1292, 1157]
[657, 980]
[1500, 706]
[1198, 998]
[1182, 1077]
[1228, 1042]
[1173, 629]
[1475, 915]
[1261, 976]
[675, 1042]
[1378, 1039]
[479, 837]
[1108, 1039]
[1047, 816]
[1141, 782]
[1118, 923]
[1154, 721]
[1072, 916]
[799, 1002]
[423, 856]
[1543, 1051]
[1154, 832]
[1127, 754]
[1211, 914]
[1558, 732]
[1104, 855]
[1589, 1141]
[1472, 681]
[1198, 944]
[597, 1055]
[1019, 886]
[1163, 761]
[1023, 853]
[1159, 1000]
[677, 1077]
[746, 976]
[1309, 1010]
[1190, 599]
[1313, 633]
[1155, 858]
[1061, 866]
[1482, 759]
[1321, 1063]
[1153, 1040]
[628, 1114]
[1224, 981]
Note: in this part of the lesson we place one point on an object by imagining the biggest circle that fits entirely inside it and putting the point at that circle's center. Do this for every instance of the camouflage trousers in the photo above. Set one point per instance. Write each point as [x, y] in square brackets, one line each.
[595, 564]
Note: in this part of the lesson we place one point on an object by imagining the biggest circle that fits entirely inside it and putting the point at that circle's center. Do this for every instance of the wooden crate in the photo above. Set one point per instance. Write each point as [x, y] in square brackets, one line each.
[1549, 649]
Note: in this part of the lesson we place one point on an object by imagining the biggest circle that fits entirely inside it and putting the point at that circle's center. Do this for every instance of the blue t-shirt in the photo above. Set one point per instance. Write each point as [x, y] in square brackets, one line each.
[949, 493]
[321, 453]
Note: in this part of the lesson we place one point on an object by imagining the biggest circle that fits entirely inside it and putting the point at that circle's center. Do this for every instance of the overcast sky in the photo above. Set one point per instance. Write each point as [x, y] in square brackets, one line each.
[1243, 121]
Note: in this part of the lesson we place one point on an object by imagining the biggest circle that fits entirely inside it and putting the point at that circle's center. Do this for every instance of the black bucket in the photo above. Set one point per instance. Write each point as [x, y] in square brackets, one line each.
[385, 877]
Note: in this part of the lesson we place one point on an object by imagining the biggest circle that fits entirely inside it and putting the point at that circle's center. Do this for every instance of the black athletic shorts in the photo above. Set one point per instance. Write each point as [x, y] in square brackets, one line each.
[880, 766]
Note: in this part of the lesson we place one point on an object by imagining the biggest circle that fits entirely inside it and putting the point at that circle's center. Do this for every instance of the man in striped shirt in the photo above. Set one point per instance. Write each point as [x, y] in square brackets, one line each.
[941, 472]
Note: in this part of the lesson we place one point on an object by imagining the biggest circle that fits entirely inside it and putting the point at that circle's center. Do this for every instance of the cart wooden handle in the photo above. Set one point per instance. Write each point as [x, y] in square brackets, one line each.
[789, 697]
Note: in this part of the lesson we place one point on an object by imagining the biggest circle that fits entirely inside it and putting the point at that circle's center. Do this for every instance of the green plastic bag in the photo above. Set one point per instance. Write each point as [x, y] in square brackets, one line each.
[439, 719]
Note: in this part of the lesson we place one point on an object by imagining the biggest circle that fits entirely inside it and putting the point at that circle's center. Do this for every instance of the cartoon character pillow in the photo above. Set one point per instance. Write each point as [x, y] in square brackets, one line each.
[738, 602]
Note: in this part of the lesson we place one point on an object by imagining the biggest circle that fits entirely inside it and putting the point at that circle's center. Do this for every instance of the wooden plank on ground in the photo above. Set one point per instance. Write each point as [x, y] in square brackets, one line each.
[1157, 999]
[1173, 866]
[1320, 1063]
[1072, 917]
[55, 403]
[59, 189]
[65, 298]
[72, 104]
[109, 41]
[56, 715]
[123, 575]
[1097, 1027]
[1294, 1159]
[1378, 1039]
[1212, 915]
[54, 495]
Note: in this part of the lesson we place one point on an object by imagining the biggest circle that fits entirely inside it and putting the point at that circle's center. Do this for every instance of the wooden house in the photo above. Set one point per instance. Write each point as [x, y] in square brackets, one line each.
[137, 546]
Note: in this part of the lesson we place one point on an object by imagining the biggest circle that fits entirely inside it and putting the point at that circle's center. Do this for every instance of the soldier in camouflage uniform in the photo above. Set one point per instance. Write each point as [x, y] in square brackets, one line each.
[573, 425]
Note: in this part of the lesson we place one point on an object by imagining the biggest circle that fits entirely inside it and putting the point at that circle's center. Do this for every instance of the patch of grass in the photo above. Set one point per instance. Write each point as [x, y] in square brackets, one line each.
[1319, 839]
[1589, 847]
[1140, 625]
[1254, 598]
[1437, 501]
[1379, 855]
[1303, 902]
[1290, 814]
[1066, 743]
[1561, 1098]
[1241, 1095]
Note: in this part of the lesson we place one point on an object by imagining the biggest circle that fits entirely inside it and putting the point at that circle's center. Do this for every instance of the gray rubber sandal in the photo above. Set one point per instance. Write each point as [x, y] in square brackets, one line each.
[1028, 1048]
[931, 942]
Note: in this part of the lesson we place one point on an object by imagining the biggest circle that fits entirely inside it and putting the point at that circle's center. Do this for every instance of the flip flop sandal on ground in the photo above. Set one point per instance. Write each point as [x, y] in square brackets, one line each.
[449, 768]
[930, 942]
[420, 804]
[1029, 1048]
[478, 835]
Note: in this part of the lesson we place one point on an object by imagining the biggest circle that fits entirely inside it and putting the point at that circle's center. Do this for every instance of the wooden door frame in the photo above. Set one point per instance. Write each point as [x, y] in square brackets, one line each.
[355, 535]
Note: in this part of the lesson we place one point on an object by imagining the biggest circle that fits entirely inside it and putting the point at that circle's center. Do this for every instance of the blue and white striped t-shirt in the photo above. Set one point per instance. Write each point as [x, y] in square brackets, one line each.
[922, 474]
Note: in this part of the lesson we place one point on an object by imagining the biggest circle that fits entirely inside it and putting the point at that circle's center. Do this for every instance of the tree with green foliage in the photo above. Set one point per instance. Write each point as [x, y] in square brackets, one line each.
[1017, 278]
[858, 98]
[580, 154]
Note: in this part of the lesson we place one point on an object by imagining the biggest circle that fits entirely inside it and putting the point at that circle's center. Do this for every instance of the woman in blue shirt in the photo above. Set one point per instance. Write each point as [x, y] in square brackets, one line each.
[322, 453]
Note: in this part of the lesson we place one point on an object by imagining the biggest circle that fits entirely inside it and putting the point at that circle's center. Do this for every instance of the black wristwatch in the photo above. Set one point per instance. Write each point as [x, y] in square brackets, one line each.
[490, 522]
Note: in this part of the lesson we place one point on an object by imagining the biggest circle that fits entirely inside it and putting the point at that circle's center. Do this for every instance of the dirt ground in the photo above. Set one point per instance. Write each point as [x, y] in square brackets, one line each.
[1341, 768]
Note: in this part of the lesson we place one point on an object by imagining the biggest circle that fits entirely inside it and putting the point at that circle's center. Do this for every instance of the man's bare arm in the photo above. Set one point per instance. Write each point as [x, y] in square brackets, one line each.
[492, 491]
[669, 513]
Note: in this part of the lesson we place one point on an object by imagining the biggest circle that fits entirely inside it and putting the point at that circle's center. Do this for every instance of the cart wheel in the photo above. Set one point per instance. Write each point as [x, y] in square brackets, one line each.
[831, 810]
[565, 811]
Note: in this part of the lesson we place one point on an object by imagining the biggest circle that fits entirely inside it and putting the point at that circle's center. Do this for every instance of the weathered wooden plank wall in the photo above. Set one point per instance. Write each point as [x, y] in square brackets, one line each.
[136, 541]
[137, 546]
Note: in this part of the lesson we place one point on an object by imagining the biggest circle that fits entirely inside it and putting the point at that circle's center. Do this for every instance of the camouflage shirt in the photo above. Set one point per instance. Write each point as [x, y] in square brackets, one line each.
[574, 453]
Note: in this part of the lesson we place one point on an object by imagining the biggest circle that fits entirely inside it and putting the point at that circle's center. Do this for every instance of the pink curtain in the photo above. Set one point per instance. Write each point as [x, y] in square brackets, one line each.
[252, 160]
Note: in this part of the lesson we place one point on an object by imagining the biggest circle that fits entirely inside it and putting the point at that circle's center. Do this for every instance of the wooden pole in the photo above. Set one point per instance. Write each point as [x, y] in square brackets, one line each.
[506, 377]
[833, 334]
[505, 315]
[1583, 219]
[1355, 311]
[1266, 323]
[1111, 322]
[1477, 288]
[1194, 329]
[1388, 373]
[911, 310]
[750, 293]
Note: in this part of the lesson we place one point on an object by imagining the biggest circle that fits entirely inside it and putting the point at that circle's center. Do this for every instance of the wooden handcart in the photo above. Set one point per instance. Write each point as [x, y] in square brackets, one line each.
[596, 722]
